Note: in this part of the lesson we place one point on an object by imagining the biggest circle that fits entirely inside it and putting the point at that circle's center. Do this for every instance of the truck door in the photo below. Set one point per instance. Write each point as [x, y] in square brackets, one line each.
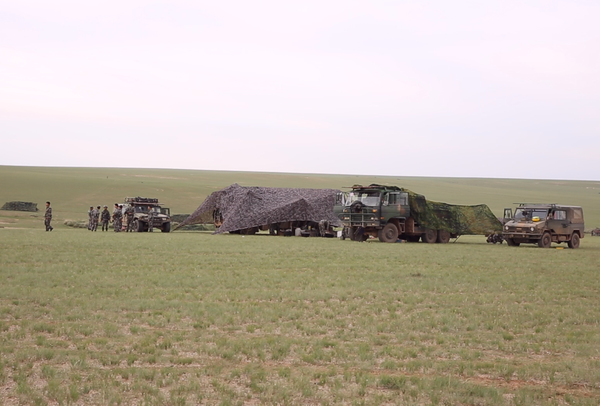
[393, 205]
[558, 223]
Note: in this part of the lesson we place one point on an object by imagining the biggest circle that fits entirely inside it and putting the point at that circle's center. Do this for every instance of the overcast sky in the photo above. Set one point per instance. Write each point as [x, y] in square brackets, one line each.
[408, 88]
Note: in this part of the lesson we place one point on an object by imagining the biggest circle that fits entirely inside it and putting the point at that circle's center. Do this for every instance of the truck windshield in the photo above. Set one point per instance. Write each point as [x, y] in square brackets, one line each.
[523, 213]
[368, 198]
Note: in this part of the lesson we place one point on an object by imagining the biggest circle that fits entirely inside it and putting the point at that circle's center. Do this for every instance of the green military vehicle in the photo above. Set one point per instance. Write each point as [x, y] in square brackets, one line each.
[141, 205]
[543, 224]
[391, 213]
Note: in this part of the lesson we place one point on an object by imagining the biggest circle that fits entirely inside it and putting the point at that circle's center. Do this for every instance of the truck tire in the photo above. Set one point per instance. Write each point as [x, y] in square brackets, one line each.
[443, 236]
[138, 226]
[512, 243]
[166, 228]
[574, 242]
[429, 236]
[389, 233]
[545, 241]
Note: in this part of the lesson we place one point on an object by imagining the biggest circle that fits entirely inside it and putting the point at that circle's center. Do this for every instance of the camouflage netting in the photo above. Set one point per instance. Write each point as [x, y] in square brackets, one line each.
[461, 220]
[20, 206]
[246, 207]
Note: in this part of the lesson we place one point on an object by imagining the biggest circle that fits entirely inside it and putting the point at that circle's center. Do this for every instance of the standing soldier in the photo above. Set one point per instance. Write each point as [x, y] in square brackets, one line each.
[129, 213]
[105, 218]
[150, 218]
[95, 218]
[48, 217]
[90, 218]
[117, 217]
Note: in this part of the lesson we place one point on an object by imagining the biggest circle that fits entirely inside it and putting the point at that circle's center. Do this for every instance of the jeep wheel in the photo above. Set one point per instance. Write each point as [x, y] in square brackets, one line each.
[166, 228]
[512, 243]
[545, 241]
[429, 236]
[138, 226]
[443, 236]
[389, 233]
[574, 243]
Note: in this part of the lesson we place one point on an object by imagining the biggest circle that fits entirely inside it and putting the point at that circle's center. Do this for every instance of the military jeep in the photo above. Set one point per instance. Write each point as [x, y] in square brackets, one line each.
[543, 224]
[141, 205]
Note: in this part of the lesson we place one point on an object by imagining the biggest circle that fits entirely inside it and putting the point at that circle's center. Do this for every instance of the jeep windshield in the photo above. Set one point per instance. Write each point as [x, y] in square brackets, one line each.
[366, 197]
[524, 213]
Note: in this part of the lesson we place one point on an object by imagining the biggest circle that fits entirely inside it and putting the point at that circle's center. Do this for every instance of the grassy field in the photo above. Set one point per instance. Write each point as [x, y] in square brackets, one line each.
[192, 318]
[73, 190]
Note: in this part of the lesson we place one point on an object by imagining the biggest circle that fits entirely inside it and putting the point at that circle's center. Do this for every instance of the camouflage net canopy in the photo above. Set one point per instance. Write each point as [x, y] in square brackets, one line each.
[20, 206]
[244, 207]
[457, 219]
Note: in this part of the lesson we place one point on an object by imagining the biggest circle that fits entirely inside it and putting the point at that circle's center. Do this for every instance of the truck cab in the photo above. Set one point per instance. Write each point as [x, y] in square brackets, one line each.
[379, 211]
[544, 224]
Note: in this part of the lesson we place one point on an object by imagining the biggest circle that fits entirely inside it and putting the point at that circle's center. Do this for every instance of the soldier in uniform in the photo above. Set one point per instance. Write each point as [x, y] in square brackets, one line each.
[48, 217]
[117, 217]
[95, 217]
[105, 217]
[150, 218]
[129, 213]
[323, 228]
[90, 217]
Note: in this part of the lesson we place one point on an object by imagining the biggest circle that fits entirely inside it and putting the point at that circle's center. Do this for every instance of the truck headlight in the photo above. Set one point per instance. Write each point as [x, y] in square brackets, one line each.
[506, 228]
[532, 228]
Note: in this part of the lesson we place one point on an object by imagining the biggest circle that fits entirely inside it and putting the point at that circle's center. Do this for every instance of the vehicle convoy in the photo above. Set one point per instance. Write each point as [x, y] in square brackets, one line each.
[161, 219]
[543, 224]
[391, 213]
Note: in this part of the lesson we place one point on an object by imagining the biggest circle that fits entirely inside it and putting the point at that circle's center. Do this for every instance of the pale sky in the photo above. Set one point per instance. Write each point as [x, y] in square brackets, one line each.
[502, 89]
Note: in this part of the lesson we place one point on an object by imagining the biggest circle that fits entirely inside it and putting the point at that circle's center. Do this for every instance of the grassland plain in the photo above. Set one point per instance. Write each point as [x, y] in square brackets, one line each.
[73, 190]
[192, 318]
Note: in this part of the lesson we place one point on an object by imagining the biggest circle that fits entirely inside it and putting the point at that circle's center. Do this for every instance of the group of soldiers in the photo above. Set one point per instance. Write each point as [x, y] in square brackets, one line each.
[95, 216]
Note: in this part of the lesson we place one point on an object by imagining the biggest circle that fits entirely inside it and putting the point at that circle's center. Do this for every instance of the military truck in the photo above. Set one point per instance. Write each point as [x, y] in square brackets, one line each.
[391, 213]
[162, 215]
[543, 224]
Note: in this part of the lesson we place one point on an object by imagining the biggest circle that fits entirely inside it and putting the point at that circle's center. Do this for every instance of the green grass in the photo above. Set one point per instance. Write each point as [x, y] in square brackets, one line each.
[192, 318]
[188, 317]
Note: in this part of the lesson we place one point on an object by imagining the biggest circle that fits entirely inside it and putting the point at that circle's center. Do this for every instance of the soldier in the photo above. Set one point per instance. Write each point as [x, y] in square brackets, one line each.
[129, 213]
[117, 217]
[105, 217]
[95, 218]
[323, 228]
[90, 217]
[150, 218]
[48, 217]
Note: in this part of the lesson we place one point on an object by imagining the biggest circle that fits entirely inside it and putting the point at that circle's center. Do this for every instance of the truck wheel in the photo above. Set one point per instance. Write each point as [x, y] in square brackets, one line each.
[512, 243]
[545, 241]
[574, 243]
[166, 228]
[389, 233]
[443, 236]
[429, 236]
[138, 226]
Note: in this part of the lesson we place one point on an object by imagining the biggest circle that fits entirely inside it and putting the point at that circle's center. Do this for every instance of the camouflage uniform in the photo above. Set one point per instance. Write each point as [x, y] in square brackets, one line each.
[323, 227]
[117, 218]
[150, 219]
[48, 217]
[95, 217]
[105, 218]
[90, 218]
[129, 213]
